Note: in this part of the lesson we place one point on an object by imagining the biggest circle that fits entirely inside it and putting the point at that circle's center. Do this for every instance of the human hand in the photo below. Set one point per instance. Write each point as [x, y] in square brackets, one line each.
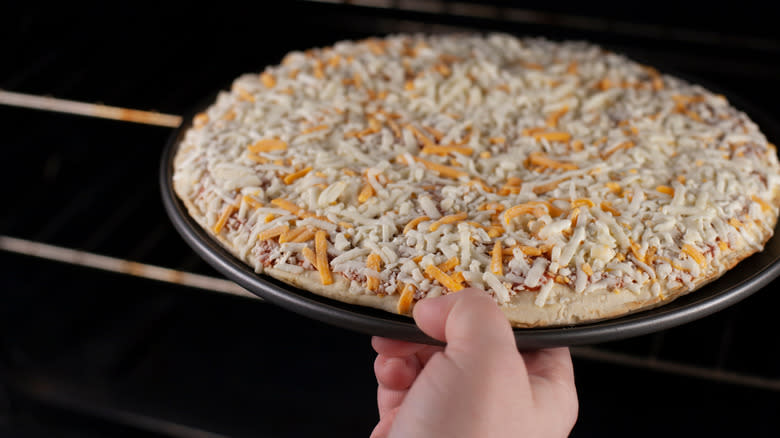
[478, 385]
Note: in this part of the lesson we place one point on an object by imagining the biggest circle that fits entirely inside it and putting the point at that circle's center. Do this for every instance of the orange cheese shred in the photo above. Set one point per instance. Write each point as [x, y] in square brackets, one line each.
[289, 179]
[614, 187]
[495, 231]
[444, 279]
[314, 129]
[427, 142]
[245, 95]
[624, 145]
[268, 80]
[267, 145]
[535, 208]
[319, 73]
[496, 259]
[273, 232]
[665, 190]
[695, 254]
[575, 214]
[252, 202]
[286, 205]
[309, 255]
[582, 202]
[373, 261]
[441, 169]
[764, 205]
[553, 136]
[552, 119]
[458, 277]
[321, 251]
[366, 193]
[306, 235]
[291, 234]
[533, 131]
[530, 250]
[200, 120]
[230, 115]
[540, 159]
[405, 301]
[438, 135]
[414, 222]
[587, 269]
[446, 149]
[450, 264]
[607, 206]
[229, 210]
[394, 127]
[448, 220]
[544, 188]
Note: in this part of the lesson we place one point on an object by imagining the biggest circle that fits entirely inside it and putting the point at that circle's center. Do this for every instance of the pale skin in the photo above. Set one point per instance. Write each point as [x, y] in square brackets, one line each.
[478, 385]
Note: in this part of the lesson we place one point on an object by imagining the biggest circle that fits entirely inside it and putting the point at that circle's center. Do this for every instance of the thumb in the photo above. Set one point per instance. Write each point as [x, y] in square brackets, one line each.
[469, 321]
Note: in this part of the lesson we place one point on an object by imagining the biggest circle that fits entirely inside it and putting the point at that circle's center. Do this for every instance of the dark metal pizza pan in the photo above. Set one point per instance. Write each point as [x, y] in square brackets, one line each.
[748, 277]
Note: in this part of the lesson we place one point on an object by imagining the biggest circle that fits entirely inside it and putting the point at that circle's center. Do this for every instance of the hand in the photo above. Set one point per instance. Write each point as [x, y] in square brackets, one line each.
[479, 385]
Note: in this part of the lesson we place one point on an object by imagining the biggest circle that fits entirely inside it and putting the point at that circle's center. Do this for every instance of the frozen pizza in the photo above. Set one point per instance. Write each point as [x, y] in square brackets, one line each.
[568, 182]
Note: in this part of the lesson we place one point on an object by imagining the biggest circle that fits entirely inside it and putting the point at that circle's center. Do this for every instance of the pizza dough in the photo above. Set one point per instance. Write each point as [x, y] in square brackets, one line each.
[570, 183]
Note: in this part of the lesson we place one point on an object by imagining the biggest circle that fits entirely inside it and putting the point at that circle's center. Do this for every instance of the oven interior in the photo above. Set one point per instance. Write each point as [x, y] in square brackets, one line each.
[91, 351]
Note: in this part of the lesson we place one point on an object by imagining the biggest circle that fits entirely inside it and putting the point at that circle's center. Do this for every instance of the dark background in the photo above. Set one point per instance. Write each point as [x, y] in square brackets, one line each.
[86, 353]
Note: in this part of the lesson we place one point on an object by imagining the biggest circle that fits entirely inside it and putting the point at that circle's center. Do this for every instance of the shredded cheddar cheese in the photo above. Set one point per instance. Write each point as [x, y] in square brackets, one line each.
[695, 254]
[552, 119]
[306, 235]
[373, 261]
[309, 255]
[441, 169]
[321, 251]
[267, 145]
[552, 136]
[273, 232]
[406, 299]
[366, 193]
[289, 179]
[452, 218]
[229, 210]
[268, 80]
[443, 279]
[539, 159]
[449, 265]
[496, 259]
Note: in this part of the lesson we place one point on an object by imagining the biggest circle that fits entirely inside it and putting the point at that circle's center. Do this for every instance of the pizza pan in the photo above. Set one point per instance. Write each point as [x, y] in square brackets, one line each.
[746, 278]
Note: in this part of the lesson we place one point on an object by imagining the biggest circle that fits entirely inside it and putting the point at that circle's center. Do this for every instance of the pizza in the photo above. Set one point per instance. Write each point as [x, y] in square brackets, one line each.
[570, 183]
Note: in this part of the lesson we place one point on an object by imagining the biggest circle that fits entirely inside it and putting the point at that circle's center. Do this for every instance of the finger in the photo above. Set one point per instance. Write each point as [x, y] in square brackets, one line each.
[424, 355]
[382, 429]
[388, 399]
[551, 375]
[468, 320]
[396, 372]
[552, 364]
[394, 347]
